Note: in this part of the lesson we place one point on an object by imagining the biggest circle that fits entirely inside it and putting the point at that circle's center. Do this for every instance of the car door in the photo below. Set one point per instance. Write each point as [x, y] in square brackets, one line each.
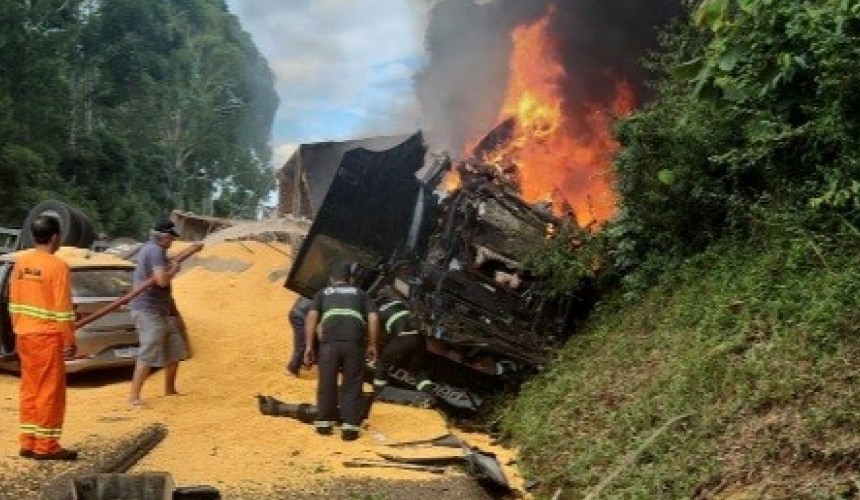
[7, 337]
[112, 335]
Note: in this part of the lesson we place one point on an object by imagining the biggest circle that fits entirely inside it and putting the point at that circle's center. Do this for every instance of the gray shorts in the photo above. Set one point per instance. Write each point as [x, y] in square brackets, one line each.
[161, 341]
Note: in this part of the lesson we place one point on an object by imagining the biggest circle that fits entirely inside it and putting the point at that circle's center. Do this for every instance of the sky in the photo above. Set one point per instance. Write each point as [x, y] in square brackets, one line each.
[343, 68]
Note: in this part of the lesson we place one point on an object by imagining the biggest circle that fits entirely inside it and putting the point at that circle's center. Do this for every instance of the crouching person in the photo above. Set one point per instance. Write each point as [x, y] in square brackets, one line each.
[405, 345]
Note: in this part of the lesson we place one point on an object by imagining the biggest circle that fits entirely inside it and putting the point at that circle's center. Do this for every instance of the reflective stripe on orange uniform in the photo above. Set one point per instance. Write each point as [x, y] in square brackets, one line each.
[40, 304]
[40, 296]
[43, 392]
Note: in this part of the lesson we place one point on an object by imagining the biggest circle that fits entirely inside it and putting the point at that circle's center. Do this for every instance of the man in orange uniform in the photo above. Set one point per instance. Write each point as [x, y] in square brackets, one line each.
[40, 303]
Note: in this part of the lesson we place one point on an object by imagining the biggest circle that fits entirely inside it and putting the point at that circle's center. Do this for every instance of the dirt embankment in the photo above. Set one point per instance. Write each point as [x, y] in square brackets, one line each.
[235, 306]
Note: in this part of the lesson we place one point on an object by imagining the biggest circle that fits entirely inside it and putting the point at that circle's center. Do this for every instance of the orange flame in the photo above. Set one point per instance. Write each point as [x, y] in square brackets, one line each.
[564, 159]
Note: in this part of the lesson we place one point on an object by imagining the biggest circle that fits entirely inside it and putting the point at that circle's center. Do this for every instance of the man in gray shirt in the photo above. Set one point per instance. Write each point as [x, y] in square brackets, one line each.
[162, 344]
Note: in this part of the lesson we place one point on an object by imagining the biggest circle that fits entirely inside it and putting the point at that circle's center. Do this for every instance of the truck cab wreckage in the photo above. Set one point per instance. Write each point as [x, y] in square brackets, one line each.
[459, 256]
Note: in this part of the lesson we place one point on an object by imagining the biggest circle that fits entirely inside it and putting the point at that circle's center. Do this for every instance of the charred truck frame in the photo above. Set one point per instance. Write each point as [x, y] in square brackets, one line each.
[457, 256]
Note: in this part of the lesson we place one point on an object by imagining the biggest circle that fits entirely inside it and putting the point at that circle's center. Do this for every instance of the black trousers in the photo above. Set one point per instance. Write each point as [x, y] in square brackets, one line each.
[297, 322]
[404, 351]
[345, 359]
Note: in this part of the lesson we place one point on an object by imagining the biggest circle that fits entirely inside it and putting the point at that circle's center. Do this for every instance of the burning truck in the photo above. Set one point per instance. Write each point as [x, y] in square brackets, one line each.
[456, 237]
[458, 255]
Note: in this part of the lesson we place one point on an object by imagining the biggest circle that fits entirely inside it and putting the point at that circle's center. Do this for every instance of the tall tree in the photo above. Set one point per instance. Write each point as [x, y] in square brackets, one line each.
[130, 108]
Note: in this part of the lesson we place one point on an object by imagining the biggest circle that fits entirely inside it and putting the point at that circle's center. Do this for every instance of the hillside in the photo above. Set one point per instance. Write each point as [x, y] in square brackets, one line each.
[735, 377]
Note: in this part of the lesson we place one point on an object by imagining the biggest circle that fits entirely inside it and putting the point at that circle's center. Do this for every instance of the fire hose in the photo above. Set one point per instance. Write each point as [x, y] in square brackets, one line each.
[121, 301]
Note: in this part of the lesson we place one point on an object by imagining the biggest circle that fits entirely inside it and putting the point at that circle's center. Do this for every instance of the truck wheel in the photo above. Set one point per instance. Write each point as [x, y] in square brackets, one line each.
[75, 228]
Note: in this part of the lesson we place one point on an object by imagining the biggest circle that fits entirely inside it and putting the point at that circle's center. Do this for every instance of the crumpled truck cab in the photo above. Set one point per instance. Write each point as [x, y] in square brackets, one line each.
[457, 256]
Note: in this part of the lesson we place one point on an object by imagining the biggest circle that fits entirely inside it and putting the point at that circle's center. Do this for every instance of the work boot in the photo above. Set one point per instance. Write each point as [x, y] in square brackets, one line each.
[324, 427]
[61, 454]
[349, 435]
[349, 432]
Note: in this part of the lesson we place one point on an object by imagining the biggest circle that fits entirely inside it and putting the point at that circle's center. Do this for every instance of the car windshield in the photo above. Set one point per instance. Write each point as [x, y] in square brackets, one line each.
[100, 282]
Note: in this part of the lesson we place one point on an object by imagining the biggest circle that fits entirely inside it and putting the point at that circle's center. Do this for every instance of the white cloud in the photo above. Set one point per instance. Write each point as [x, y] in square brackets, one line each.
[396, 71]
[355, 57]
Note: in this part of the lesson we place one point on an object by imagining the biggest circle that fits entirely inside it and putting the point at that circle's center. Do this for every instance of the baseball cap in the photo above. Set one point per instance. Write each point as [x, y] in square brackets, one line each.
[166, 226]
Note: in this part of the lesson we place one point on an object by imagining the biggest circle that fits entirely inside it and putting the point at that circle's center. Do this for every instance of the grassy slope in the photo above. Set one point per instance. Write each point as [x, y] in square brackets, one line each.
[759, 344]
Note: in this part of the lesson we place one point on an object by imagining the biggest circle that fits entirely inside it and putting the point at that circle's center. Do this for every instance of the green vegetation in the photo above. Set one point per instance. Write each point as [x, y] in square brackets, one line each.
[757, 341]
[759, 109]
[724, 356]
[131, 108]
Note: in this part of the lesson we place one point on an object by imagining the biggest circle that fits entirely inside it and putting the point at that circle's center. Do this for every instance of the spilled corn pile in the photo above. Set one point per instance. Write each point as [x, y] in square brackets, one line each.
[232, 297]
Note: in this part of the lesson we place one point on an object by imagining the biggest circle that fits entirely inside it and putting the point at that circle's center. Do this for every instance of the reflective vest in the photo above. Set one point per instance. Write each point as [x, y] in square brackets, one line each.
[397, 318]
[40, 296]
[343, 312]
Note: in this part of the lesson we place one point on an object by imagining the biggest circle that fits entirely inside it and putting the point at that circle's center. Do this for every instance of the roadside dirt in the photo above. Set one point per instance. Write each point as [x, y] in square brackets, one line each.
[235, 307]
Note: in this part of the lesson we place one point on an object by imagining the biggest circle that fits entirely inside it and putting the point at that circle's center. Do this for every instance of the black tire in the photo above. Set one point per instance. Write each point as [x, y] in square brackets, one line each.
[75, 228]
[88, 231]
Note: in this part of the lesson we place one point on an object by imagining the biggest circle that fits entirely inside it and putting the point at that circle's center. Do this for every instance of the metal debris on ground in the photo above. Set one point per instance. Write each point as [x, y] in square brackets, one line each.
[395, 465]
[482, 465]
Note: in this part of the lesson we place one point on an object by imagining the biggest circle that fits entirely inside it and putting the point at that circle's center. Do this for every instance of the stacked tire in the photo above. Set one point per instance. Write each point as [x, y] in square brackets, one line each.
[76, 229]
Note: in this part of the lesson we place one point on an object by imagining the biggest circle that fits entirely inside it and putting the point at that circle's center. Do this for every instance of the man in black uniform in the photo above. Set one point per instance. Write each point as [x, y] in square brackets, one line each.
[405, 345]
[349, 326]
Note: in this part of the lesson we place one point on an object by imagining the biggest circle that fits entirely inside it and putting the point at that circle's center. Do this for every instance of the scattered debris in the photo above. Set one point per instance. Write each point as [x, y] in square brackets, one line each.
[127, 453]
[448, 440]
[383, 463]
[406, 397]
[303, 412]
[484, 466]
[146, 485]
[425, 456]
